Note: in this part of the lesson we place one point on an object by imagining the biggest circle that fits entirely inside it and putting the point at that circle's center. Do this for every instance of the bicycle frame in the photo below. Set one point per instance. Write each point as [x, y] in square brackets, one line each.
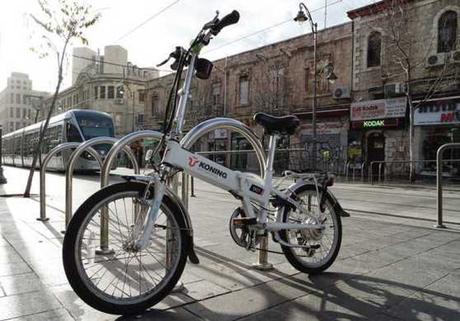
[245, 186]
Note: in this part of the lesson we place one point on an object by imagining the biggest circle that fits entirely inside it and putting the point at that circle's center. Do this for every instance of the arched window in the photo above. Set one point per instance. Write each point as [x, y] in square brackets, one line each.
[447, 31]
[374, 47]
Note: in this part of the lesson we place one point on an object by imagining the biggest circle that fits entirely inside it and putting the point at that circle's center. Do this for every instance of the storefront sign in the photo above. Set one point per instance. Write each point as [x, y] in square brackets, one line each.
[378, 123]
[438, 113]
[325, 128]
[219, 133]
[378, 109]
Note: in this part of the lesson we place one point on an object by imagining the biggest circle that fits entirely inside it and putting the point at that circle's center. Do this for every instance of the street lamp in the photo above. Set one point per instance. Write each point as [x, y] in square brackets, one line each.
[302, 16]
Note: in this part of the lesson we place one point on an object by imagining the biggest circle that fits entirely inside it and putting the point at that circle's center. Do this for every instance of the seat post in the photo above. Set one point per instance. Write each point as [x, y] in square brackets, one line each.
[271, 157]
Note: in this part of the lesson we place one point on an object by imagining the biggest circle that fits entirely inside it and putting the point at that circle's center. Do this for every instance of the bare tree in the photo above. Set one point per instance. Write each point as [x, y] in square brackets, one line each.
[61, 22]
[408, 52]
[269, 85]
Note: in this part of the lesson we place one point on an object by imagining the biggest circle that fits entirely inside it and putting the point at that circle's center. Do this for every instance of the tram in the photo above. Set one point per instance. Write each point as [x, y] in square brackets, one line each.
[76, 125]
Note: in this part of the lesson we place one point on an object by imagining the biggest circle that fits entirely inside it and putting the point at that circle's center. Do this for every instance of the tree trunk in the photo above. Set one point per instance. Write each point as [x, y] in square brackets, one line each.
[38, 150]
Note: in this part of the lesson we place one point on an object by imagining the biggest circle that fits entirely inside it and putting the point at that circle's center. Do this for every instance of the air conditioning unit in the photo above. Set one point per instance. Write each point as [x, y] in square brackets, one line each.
[455, 58]
[119, 101]
[396, 89]
[436, 60]
[341, 92]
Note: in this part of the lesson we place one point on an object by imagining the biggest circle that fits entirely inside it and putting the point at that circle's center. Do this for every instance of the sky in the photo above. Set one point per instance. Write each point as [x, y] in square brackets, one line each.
[153, 41]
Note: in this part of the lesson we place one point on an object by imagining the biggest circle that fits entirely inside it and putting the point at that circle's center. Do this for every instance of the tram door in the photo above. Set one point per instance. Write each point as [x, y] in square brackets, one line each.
[376, 151]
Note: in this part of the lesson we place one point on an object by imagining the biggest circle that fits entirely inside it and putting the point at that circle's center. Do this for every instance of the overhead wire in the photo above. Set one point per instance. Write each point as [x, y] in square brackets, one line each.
[266, 29]
[148, 20]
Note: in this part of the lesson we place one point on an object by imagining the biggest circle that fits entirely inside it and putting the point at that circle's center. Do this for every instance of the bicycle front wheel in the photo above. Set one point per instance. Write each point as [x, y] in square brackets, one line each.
[316, 249]
[116, 278]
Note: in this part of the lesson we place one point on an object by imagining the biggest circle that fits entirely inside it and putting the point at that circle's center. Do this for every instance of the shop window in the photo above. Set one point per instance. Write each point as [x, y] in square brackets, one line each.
[102, 92]
[110, 92]
[155, 105]
[447, 31]
[243, 90]
[374, 47]
[216, 94]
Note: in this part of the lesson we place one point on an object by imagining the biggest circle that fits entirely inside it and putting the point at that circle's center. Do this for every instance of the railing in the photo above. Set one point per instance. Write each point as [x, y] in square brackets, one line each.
[439, 163]
[384, 168]
[73, 160]
[354, 166]
[58, 149]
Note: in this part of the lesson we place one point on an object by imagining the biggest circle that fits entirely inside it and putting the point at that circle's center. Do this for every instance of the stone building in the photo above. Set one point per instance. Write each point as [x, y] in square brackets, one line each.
[17, 103]
[423, 38]
[277, 79]
[107, 83]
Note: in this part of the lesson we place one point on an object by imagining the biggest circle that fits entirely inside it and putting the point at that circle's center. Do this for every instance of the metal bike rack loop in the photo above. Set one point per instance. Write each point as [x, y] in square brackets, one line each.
[439, 179]
[105, 172]
[55, 150]
[232, 124]
[73, 160]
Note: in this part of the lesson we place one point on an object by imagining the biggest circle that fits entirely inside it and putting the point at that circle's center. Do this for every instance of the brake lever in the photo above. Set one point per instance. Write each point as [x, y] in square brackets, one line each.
[211, 23]
[163, 62]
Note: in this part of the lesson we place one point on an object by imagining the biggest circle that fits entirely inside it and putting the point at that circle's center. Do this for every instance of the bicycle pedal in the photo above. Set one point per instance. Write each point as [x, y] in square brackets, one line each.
[244, 221]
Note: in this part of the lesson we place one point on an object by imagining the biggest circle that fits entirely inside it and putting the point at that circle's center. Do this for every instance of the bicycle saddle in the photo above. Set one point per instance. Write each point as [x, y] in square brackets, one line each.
[277, 125]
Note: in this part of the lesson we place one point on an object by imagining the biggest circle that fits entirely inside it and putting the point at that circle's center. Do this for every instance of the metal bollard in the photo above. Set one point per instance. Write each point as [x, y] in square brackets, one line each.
[262, 257]
[192, 187]
[59, 148]
[439, 180]
[184, 190]
[2, 177]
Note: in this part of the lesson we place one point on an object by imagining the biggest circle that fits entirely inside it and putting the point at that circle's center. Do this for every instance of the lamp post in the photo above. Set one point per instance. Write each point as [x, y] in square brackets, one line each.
[302, 16]
[328, 70]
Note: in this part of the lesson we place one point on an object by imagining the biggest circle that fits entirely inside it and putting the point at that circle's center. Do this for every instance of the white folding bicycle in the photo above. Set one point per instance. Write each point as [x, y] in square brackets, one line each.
[126, 246]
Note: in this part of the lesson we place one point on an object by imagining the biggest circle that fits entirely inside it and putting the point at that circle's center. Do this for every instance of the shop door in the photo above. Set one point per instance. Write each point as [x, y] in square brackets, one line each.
[376, 151]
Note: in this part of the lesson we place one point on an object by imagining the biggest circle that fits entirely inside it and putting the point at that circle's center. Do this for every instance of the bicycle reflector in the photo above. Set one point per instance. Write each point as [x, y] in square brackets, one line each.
[203, 68]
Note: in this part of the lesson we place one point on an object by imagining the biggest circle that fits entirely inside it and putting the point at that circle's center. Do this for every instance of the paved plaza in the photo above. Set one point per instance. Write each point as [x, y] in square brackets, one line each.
[392, 266]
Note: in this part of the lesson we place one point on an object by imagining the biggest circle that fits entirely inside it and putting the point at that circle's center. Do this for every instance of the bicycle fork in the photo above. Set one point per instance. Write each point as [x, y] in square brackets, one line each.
[142, 233]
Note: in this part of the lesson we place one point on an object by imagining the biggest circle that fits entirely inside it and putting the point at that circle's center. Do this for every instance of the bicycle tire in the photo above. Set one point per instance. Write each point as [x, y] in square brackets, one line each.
[290, 253]
[78, 280]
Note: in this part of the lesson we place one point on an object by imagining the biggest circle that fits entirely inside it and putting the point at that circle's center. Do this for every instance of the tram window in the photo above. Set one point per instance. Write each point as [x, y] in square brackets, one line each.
[73, 135]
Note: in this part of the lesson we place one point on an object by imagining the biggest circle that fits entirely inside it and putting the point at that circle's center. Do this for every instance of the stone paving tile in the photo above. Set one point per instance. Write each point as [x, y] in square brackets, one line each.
[249, 300]
[54, 315]
[13, 269]
[426, 307]
[50, 272]
[8, 255]
[76, 307]
[173, 300]
[26, 304]
[22, 283]
[204, 289]
[178, 314]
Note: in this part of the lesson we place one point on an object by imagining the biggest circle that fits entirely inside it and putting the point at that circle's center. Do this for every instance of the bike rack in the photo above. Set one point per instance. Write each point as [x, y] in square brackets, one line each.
[55, 150]
[439, 154]
[231, 124]
[105, 172]
[73, 160]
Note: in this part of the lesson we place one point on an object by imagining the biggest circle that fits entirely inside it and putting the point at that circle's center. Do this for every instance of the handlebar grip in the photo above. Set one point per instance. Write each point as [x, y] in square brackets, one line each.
[229, 19]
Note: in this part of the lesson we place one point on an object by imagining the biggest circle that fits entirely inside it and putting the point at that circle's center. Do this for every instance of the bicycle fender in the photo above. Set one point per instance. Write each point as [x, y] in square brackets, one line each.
[179, 207]
[335, 203]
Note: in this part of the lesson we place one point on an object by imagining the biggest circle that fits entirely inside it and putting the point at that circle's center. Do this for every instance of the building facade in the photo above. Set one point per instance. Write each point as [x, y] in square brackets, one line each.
[401, 49]
[276, 79]
[18, 103]
[107, 83]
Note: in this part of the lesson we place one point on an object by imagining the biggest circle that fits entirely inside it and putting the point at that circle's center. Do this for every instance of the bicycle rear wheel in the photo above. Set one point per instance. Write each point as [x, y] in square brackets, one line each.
[320, 247]
[121, 280]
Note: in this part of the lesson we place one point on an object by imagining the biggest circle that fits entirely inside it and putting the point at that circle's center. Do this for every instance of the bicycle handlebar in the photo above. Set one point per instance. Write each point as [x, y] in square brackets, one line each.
[228, 20]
